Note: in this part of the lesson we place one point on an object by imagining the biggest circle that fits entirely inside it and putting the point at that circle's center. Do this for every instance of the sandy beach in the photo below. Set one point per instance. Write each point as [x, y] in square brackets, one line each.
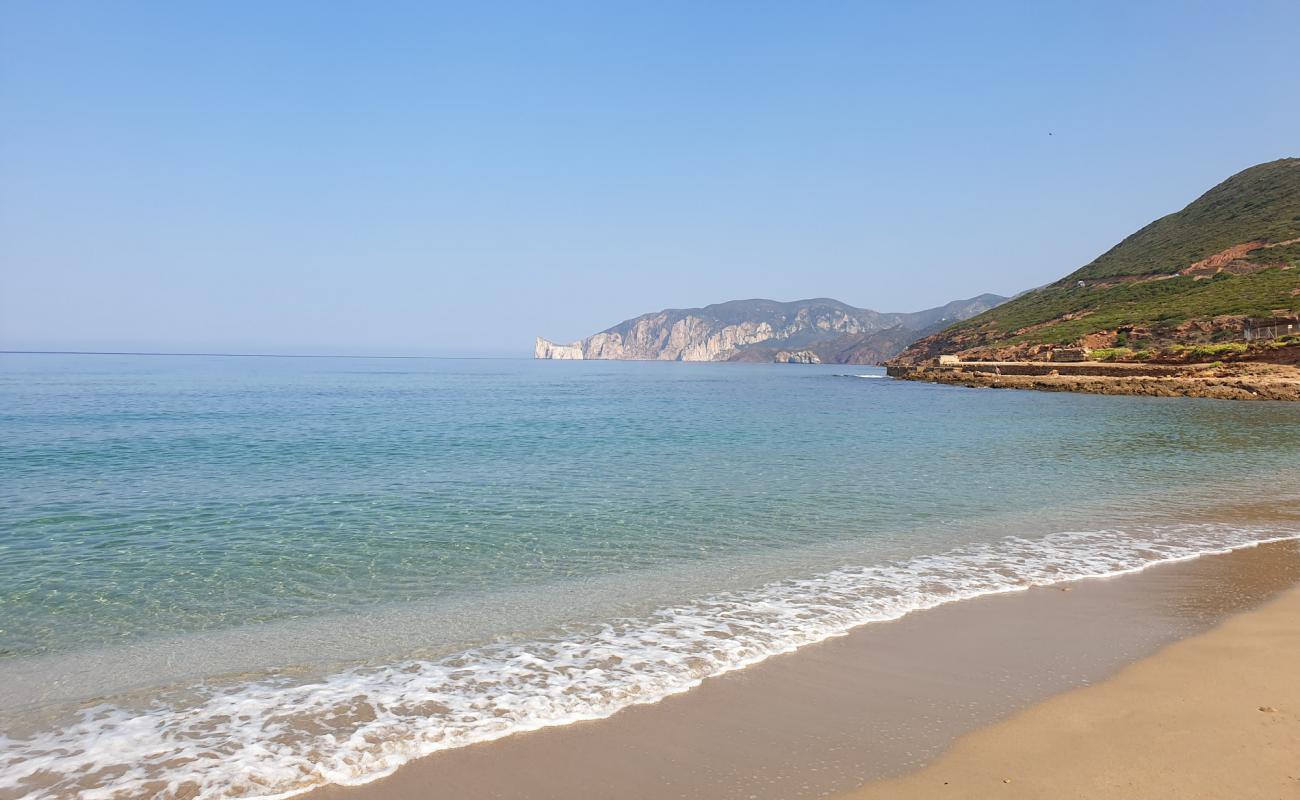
[890, 699]
[1214, 716]
[583, 401]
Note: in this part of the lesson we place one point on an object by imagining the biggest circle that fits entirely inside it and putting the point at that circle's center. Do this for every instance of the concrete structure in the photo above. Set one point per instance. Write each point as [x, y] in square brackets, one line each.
[1070, 354]
[1270, 327]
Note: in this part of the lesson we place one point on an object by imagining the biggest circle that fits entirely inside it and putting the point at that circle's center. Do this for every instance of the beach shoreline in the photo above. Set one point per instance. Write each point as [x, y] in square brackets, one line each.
[879, 703]
[1216, 715]
[497, 564]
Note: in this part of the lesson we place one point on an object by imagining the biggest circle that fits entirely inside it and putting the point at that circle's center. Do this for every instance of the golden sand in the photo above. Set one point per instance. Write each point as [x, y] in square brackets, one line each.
[1214, 716]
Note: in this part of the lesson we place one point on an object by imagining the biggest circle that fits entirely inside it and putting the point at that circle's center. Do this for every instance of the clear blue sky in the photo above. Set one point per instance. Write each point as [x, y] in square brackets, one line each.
[418, 178]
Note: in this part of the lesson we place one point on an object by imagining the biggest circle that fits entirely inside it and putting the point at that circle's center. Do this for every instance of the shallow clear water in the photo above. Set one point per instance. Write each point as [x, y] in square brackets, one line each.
[218, 553]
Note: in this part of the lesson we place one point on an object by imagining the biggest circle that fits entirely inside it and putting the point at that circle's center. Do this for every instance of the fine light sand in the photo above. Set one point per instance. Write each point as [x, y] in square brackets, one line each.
[1214, 716]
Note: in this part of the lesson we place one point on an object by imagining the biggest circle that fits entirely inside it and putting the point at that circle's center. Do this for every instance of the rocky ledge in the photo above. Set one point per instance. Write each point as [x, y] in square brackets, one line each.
[1244, 381]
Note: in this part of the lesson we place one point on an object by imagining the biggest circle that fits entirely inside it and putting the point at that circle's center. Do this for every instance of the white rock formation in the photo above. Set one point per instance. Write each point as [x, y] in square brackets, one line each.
[548, 349]
[654, 338]
[798, 357]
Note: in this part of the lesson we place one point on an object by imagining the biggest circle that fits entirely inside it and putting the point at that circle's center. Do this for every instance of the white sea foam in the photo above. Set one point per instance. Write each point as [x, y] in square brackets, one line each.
[275, 738]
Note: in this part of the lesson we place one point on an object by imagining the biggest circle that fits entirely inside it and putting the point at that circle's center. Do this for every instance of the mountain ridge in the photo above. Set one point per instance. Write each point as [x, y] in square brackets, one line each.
[759, 329]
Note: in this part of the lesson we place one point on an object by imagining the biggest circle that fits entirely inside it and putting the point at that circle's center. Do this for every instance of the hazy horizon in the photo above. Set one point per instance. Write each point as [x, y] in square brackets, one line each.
[438, 180]
[325, 352]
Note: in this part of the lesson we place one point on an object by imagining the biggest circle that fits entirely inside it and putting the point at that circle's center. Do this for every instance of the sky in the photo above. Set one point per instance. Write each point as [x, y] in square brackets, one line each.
[455, 179]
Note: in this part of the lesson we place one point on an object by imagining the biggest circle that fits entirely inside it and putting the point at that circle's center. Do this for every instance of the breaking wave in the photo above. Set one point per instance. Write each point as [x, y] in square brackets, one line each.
[278, 737]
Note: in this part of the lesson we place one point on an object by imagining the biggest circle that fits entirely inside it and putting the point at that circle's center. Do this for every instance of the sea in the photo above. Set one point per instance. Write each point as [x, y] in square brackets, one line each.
[236, 577]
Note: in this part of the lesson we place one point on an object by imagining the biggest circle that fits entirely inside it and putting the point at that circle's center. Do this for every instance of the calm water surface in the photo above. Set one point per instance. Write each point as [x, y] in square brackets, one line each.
[222, 556]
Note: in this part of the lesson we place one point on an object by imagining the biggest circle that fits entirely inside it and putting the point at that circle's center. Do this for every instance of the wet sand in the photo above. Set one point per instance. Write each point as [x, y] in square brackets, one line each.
[880, 702]
[1215, 716]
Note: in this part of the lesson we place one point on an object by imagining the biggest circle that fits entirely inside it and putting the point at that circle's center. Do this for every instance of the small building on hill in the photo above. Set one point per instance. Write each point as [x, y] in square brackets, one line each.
[1070, 354]
[1270, 327]
[946, 360]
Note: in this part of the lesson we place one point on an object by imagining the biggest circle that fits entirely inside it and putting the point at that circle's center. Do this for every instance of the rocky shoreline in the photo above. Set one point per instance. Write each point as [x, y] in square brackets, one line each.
[1240, 381]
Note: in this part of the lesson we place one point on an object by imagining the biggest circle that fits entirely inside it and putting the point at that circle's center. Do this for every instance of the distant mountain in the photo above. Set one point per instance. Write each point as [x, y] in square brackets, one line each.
[1194, 277]
[765, 330]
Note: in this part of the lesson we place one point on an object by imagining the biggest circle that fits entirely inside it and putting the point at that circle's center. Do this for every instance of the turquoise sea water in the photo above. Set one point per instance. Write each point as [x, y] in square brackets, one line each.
[205, 562]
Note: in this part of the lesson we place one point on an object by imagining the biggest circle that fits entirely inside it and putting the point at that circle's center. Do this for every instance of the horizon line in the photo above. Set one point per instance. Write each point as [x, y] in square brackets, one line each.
[241, 355]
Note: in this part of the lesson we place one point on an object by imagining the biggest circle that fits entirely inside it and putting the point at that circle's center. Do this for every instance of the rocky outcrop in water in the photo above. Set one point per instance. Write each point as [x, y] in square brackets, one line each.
[764, 330]
[801, 357]
[563, 352]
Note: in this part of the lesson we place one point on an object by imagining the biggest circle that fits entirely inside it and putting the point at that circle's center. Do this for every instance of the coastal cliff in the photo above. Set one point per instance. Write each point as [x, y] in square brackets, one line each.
[817, 330]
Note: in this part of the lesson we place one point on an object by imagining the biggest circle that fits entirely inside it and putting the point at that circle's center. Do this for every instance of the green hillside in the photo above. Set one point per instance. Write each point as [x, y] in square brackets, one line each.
[1259, 204]
[1185, 278]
